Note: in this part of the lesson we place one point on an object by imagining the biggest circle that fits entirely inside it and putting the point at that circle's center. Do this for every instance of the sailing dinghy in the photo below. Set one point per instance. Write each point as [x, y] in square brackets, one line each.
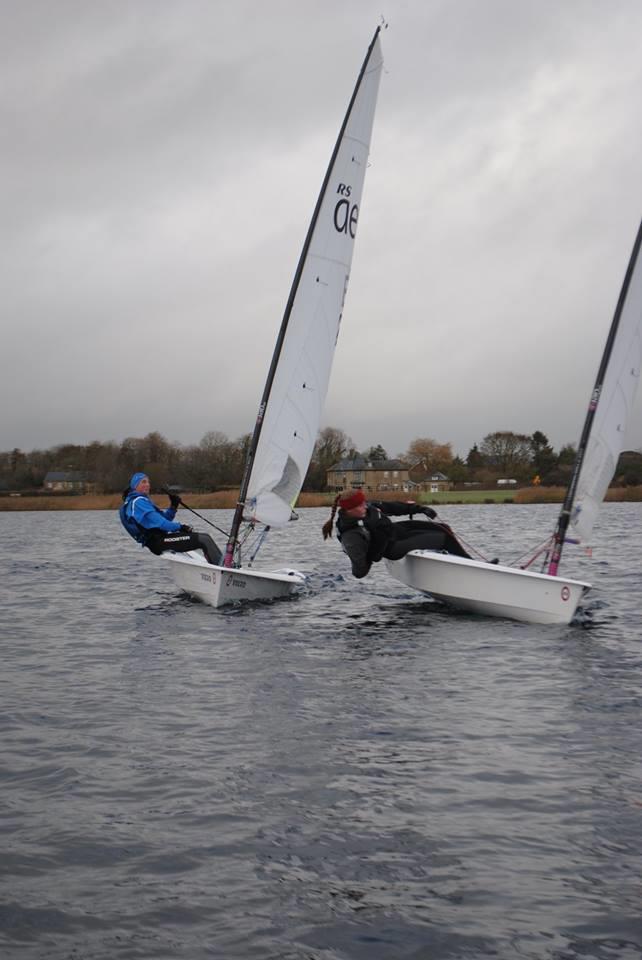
[521, 594]
[290, 410]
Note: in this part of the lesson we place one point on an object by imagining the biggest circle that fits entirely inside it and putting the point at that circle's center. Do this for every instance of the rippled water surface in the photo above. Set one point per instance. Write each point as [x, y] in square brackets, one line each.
[355, 773]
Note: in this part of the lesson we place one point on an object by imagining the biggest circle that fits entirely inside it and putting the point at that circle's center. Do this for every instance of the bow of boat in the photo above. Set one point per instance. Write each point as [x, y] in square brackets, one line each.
[490, 589]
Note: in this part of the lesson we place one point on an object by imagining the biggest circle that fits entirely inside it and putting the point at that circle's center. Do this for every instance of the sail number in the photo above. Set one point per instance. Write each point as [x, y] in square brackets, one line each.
[345, 212]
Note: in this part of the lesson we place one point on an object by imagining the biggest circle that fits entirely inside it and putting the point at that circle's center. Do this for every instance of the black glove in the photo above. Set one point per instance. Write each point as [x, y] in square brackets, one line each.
[427, 511]
[185, 528]
[175, 500]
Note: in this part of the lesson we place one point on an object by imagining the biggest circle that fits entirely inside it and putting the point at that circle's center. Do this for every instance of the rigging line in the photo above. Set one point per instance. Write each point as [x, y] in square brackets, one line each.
[550, 546]
[220, 530]
[464, 543]
[200, 516]
[259, 543]
[544, 547]
[530, 557]
[246, 535]
[256, 545]
[241, 541]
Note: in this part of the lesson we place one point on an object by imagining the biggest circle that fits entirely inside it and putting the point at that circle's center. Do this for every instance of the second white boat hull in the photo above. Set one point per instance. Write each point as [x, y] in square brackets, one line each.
[490, 589]
[222, 585]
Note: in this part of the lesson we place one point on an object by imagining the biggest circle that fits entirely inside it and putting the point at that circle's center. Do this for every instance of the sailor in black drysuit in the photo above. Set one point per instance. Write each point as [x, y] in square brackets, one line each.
[367, 534]
[156, 529]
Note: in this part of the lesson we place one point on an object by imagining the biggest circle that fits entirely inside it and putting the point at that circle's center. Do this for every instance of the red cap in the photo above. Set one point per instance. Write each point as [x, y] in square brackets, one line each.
[351, 499]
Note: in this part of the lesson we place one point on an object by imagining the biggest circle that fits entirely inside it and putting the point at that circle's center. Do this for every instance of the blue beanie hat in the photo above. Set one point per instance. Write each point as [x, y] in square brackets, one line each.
[135, 480]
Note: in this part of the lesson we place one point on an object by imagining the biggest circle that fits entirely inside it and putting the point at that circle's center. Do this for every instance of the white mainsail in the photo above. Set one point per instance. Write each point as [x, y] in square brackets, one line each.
[614, 405]
[293, 413]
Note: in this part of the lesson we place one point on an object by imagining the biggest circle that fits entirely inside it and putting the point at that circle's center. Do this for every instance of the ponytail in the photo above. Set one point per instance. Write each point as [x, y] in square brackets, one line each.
[327, 526]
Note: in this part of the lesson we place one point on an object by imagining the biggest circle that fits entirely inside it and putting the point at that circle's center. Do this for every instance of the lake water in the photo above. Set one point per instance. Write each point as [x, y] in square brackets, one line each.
[355, 773]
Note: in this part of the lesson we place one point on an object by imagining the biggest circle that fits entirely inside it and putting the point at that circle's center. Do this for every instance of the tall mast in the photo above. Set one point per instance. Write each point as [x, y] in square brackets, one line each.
[565, 514]
[247, 472]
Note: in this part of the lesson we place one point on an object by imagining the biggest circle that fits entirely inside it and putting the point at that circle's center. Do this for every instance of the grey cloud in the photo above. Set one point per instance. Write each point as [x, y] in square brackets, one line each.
[160, 163]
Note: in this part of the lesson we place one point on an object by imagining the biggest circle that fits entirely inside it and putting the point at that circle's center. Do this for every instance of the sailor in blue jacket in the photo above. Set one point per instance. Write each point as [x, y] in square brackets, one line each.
[157, 529]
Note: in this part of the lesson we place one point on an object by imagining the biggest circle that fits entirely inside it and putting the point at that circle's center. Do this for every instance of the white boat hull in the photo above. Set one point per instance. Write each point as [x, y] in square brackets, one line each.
[490, 589]
[222, 585]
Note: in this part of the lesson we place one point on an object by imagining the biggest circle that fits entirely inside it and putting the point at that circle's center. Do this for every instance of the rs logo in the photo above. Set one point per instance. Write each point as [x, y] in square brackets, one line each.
[345, 217]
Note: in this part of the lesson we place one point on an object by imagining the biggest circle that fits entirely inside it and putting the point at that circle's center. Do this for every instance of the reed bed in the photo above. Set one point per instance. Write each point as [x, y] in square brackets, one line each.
[221, 500]
[226, 499]
[557, 494]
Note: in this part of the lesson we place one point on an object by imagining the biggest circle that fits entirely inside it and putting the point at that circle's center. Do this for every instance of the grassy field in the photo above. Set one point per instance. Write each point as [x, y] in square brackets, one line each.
[470, 496]
[226, 499]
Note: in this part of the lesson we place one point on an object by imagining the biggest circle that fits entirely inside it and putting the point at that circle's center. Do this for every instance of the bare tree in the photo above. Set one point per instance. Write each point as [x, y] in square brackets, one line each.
[436, 456]
[507, 452]
[331, 446]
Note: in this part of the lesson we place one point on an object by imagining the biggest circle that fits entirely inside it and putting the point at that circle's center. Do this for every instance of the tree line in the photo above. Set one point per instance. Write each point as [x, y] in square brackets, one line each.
[217, 462]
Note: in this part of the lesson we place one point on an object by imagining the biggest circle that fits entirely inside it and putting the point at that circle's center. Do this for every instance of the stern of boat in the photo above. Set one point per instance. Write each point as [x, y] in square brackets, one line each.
[219, 586]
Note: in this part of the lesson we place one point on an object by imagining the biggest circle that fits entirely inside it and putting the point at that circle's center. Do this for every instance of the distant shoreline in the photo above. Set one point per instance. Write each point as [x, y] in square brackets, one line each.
[226, 499]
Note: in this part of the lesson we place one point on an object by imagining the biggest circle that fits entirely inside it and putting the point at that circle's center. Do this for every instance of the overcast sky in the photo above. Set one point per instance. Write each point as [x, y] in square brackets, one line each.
[161, 160]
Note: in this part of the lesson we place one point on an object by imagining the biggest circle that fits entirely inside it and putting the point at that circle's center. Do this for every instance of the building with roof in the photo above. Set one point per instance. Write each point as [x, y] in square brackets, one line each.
[370, 475]
[381, 476]
[65, 481]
